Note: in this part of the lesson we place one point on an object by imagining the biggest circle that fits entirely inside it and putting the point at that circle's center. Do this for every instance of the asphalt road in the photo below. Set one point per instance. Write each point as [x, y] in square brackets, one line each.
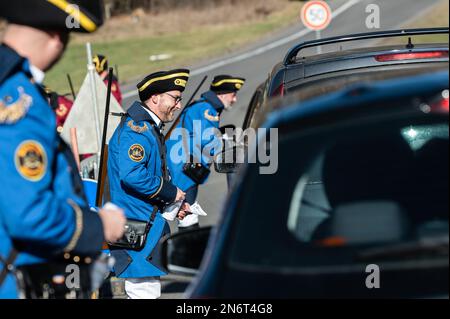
[254, 63]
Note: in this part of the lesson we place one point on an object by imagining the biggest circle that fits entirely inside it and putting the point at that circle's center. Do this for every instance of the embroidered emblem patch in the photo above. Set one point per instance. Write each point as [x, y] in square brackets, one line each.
[210, 117]
[31, 160]
[12, 112]
[137, 128]
[136, 152]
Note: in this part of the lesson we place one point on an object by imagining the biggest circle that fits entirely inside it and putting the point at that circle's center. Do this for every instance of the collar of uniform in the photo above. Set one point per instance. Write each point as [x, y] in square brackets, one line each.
[10, 62]
[212, 99]
[154, 117]
[139, 113]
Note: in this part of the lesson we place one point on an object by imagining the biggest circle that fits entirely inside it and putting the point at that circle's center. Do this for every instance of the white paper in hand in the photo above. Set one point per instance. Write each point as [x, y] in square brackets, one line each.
[197, 209]
[171, 211]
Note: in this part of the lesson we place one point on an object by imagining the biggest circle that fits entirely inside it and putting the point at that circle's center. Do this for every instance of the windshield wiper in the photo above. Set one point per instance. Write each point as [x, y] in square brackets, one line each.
[426, 246]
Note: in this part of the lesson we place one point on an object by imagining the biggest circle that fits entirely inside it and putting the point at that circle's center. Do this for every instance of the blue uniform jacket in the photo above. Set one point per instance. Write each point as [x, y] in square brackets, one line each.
[138, 184]
[43, 210]
[198, 119]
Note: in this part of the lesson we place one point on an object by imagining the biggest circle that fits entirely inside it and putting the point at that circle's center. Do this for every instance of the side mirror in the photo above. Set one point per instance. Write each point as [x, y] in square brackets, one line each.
[183, 252]
[229, 160]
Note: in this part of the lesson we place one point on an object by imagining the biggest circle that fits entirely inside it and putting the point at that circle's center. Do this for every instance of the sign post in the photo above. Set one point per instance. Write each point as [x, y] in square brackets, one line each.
[316, 15]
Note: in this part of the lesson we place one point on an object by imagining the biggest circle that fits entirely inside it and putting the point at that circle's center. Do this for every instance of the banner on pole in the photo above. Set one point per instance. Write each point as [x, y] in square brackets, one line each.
[82, 116]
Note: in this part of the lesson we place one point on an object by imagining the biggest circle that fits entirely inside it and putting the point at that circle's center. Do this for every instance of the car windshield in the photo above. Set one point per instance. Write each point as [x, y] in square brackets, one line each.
[342, 193]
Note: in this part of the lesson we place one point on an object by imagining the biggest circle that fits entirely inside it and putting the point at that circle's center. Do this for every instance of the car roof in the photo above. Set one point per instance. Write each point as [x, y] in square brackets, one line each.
[373, 50]
[292, 54]
[295, 68]
[357, 59]
[359, 95]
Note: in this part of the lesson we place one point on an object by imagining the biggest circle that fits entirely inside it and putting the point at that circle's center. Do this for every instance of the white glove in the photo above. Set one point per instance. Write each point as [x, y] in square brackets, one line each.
[189, 220]
[171, 211]
[101, 269]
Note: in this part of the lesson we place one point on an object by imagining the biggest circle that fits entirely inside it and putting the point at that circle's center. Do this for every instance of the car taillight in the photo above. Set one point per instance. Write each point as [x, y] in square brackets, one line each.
[442, 105]
[279, 91]
[411, 56]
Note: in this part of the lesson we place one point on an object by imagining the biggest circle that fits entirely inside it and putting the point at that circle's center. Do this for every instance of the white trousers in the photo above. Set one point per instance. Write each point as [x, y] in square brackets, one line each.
[143, 288]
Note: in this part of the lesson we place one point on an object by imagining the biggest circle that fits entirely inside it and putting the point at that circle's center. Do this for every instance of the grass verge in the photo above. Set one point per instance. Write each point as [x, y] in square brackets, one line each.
[132, 54]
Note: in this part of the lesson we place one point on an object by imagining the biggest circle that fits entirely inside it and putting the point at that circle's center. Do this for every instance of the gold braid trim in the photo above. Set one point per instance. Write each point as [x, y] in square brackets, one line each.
[159, 189]
[137, 128]
[78, 228]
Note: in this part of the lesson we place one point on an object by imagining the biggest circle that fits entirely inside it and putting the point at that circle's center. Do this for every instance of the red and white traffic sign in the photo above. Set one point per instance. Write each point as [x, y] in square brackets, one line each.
[316, 15]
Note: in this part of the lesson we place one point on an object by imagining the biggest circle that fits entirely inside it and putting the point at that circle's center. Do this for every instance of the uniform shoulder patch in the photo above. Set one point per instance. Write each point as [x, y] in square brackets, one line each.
[210, 117]
[31, 160]
[11, 112]
[136, 152]
[137, 128]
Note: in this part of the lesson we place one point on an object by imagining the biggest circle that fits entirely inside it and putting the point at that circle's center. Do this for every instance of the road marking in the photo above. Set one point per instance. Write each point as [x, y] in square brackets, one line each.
[259, 50]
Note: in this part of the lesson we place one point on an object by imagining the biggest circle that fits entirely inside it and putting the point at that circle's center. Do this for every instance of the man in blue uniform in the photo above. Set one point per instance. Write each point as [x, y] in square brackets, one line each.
[139, 179]
[44, 214]
[198, 118]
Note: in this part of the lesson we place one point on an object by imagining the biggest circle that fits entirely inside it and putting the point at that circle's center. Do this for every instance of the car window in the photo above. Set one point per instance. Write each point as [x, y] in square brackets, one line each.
[342, 192]
[380, 176]
[253, 108]
[314, 86]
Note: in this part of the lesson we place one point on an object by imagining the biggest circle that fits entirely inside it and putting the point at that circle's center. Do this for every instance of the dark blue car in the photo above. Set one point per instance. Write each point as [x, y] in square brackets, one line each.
[357, 207]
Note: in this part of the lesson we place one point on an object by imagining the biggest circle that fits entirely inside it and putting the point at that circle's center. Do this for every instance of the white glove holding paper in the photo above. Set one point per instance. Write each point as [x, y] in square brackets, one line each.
[192, 218]
[171, 211]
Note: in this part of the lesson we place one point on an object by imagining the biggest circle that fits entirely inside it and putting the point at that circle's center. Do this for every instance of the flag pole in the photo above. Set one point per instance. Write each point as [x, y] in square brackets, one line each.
[104, 146]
